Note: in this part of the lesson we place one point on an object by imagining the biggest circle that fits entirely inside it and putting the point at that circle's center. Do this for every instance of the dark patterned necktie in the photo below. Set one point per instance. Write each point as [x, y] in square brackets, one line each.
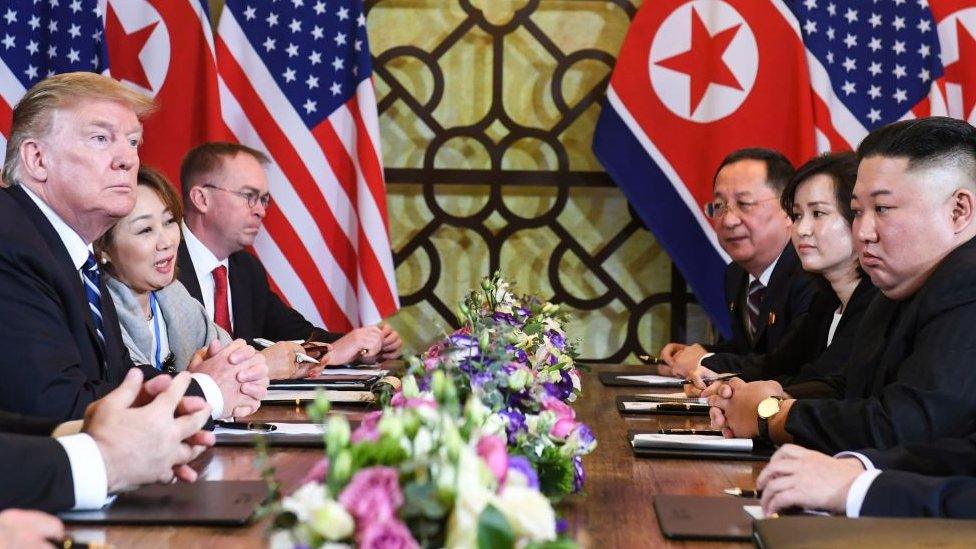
[91, 277]
[756, 293]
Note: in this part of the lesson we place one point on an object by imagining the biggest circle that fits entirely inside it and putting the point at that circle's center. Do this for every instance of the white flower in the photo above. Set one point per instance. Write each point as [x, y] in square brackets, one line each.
[528, 513]
[462, 526]
[494, 425]
[332, 521]
[281, 539]
[304, 501]
[423, 443]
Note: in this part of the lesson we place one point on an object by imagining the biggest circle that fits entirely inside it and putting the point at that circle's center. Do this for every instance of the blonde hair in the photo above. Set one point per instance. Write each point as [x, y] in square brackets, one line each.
[33, 114]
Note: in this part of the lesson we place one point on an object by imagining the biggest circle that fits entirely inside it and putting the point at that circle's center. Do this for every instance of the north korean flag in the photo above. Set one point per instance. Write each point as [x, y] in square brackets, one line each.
[694, 81]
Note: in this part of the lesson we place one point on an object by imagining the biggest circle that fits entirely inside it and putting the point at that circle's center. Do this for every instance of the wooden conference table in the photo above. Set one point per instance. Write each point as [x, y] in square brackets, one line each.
[614, 511]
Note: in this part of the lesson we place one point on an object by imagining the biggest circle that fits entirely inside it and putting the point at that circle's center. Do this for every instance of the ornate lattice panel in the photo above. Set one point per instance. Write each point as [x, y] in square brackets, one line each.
[487, 110]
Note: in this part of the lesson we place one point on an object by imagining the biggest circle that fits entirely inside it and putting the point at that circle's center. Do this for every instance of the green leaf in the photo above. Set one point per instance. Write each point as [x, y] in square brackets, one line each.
[494, 531]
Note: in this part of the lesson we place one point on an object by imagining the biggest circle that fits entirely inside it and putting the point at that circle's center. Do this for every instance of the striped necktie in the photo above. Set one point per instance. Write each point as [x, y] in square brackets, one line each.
[756, 293]
[91, 276]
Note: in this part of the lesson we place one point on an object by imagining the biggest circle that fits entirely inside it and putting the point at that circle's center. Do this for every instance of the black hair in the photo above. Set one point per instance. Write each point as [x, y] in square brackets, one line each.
[840, 167]
[779, 170]
[925, 142]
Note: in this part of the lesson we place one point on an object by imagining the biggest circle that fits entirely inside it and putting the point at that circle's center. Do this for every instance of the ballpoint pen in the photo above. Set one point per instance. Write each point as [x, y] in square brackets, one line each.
[650, 359]
[689, 432]
[709, 380]
[246, 425]
[299, 357]
[739, 492]
[681, 407]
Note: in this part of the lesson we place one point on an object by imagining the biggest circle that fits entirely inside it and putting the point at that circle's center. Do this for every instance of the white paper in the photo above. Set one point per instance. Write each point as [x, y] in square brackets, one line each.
[352, 372]
[754, 511]
[637, 406]
[691, 442]
[282, 429]
[673, 397]
[655, 380]
[300, 396]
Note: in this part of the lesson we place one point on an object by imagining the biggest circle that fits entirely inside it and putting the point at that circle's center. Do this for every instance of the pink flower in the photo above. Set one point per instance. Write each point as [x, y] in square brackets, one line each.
[494, 451]
[317, 473]
[367, 429]
[563, 427]
[391, 534]
[565, 417]
[372, 496]
[400, 401]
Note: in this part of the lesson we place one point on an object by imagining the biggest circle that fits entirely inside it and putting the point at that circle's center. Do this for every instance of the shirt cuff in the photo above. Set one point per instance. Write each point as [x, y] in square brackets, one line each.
[211, 392]
[703, 357]
[865, 462]
[859, 490]
[87, 471]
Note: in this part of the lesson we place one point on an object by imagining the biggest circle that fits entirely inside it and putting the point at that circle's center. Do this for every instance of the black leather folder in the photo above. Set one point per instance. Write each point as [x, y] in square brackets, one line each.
[697, 409]
[719, 518]
[203, 503]
[613, 379]
[272, 439]
[844, 533]
[331, 382]
[759, 452]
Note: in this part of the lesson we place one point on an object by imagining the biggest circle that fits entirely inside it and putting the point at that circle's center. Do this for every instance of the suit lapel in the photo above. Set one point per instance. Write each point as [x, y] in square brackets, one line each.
[241, 296]
[771, 308]
[187, 273]
[70, 279]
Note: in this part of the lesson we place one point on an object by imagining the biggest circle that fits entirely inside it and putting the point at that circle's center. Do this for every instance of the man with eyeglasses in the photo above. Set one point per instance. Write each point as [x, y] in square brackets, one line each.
[225, 195]
[765, 286]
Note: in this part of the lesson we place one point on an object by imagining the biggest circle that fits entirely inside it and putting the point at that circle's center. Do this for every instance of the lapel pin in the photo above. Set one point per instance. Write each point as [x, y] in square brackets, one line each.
[731, 306]
[772, 318]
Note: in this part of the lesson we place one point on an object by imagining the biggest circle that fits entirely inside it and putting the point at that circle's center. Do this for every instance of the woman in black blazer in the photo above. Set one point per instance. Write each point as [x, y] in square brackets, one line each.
[809, 361]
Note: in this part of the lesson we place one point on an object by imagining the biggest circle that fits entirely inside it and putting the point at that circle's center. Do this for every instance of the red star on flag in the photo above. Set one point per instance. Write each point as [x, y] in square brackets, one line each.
[960, 71]
[121, 45]
[703, 62]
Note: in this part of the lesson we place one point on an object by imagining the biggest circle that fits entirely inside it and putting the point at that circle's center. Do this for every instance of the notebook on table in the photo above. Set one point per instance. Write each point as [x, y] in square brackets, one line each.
[637, 379]
[334, 382]
[677, 396]
[202, 503]
[658, 445]
[627, 405]
[296, 435]
[844, 533]
[298, 397]
[718, 518]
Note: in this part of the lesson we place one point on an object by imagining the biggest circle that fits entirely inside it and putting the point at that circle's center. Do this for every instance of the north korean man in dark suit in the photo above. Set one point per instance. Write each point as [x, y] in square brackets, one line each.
[225, 197]
[911, 376]
[765, 285]
[70, 171]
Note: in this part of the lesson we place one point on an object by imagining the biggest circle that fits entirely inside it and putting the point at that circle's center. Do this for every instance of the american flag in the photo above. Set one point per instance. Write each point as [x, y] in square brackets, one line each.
[295, 82]
[38, 40]
[870, 63]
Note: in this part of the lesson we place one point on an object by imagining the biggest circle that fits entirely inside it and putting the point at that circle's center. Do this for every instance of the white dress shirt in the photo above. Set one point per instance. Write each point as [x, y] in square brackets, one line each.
[859, 488]
[204, 262]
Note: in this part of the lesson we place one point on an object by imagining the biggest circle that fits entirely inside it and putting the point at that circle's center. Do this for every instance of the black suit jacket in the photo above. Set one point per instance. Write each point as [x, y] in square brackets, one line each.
[34, 468]
[911, 376]
[942, 457]
[52, 364]
[258, 311]
[787, 299]
[901, 494]
[803, 355]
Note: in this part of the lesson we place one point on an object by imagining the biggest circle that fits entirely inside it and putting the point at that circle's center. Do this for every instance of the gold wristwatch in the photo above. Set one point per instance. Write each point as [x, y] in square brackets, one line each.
[768, 407]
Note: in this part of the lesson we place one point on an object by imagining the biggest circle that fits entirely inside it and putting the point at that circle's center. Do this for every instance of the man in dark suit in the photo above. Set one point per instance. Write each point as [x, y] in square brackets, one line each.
[225, 196]
[128, 438]
[71, 169]
[765, 285]
[911, 377]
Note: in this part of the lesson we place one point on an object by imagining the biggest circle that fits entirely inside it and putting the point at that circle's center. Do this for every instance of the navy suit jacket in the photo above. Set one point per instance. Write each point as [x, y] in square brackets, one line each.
[901, 494]
[34, 468]
[52, 363]
[258, 311]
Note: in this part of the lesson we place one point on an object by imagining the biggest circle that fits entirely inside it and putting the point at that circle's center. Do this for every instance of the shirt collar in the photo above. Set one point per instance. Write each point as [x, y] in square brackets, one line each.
[77, 248]
[204, 261]
[768, 273]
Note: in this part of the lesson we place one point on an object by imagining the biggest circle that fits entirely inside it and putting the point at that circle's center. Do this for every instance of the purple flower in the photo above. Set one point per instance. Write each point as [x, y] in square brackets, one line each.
[317, 473]
[563, 388]
[494, 451]
[522, 356]
[479, 379]
[367, 429]
[562, 526]
[505, 317]
[522, 465]
[514, 423]
[372, 496]
[579, 475]
[557, 339]
[391, 534]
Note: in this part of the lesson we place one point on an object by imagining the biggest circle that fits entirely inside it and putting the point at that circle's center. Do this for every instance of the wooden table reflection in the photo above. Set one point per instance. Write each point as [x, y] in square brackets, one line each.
[614, 511]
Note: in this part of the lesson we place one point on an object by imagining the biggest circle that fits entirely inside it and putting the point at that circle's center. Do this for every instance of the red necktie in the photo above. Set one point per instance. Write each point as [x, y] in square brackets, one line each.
[221, 311]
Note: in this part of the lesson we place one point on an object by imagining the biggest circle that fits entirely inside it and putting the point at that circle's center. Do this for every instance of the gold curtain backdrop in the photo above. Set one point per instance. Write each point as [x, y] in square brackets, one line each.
[487, 110]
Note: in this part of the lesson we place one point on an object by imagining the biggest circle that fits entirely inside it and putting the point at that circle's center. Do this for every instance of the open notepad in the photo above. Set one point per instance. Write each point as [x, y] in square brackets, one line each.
[303, 396]
[352, 371]
[670, 397]
[654, 380]
[691, 442]
[640, 406]
[281, 429]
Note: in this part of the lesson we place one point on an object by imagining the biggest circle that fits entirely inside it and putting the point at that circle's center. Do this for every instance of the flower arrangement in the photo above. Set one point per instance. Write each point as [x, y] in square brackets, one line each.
[420, 474]
[513, 355]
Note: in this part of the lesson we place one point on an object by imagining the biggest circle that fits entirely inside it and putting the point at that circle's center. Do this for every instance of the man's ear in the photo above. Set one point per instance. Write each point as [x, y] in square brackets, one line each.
[963, 205]
[32, 160]
[199, 199]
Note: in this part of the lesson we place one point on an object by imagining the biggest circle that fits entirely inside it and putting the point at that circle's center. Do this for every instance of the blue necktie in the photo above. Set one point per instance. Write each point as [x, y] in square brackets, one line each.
[91, 277]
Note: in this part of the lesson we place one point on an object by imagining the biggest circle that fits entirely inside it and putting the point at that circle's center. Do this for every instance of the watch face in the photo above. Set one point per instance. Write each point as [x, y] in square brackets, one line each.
[768, 407]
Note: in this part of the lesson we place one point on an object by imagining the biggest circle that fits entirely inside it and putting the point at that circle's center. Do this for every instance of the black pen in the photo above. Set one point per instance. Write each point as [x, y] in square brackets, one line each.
[246, 425]
[649, 359]
[689, 432]
[739, 492]
[68, 542]
[710, 380]
[681, 407]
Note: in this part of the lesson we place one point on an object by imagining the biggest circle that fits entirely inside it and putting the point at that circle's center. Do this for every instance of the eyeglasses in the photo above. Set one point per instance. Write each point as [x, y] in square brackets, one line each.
[718, 208]
[251, 197]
